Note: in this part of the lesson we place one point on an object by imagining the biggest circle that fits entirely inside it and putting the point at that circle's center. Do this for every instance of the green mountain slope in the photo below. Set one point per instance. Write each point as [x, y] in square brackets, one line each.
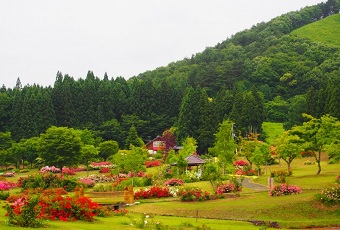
[325, 31]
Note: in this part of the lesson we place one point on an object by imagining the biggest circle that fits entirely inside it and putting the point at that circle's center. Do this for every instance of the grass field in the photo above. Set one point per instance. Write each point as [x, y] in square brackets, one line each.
[325, 31]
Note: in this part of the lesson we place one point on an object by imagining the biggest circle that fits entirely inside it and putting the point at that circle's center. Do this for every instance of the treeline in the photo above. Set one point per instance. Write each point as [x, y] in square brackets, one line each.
[110, 107]
[263, 73]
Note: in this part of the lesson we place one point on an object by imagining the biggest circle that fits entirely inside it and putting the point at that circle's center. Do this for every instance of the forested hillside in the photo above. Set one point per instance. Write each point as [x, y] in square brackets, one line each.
[267, 72]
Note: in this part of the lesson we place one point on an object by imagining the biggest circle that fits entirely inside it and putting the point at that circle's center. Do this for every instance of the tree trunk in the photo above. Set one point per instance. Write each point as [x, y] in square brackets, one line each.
[288, 163]
[319, 162]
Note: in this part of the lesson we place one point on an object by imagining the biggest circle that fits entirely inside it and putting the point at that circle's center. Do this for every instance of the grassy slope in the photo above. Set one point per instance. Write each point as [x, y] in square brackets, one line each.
[324, 31]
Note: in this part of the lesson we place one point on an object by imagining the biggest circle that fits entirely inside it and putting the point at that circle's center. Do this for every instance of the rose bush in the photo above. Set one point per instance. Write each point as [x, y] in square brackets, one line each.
[152, 192]
[284, 189]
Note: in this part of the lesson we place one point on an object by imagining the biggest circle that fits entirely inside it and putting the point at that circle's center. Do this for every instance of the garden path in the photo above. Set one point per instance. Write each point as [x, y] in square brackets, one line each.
[254, 186]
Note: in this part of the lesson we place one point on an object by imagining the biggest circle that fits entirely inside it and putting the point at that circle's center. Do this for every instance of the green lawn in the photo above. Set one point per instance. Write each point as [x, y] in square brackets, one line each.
[296, 211]
[325, 31]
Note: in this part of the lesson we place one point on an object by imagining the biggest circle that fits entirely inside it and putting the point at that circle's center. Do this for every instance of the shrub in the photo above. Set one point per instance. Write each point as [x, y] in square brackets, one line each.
[241, 163]
[280, 175]
[47, 180]
[47, 169]
[4, 195]
[228, 188]
[337, 180]
[194, 194]
[69, 171]
[7, 185]
[87, 182]
[9, 174]
[101, 178]
[330, 196]
[152, 192]
[99, 165]
[24, 212]
[149, 164]
[174, 182]
[104, 170]
[103, 187]
[53, 206]
[284, 189]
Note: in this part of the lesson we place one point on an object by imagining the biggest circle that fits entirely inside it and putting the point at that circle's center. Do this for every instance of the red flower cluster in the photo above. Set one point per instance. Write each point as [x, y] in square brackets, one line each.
[54, 206]
[194, 194]
[149, 164]
[104, 170]
[241, 163]
[153, 192]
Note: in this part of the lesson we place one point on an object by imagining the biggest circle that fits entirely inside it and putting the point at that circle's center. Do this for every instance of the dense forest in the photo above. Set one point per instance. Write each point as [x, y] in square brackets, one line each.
[261, 74]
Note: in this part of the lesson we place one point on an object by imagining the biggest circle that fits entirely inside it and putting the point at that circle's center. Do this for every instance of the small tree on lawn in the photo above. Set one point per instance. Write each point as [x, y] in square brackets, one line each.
[318, 134]
[60, 146]
[289, 147]
[212, 174]
[261, 156]
[88, 154]
[224, 147]
[248, 146]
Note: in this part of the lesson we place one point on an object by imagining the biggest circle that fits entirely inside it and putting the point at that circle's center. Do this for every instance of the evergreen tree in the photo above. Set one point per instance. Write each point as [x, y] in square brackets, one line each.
[133, 139]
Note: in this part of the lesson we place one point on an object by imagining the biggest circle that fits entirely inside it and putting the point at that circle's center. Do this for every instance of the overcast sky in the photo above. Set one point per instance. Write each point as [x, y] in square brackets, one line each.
[122, 38]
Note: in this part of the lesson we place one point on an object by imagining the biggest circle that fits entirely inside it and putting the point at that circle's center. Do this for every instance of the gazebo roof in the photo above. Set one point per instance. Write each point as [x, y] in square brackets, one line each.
[194, 160]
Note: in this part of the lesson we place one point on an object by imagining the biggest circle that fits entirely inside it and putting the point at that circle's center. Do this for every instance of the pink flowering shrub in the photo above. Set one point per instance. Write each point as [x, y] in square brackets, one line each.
[284, 189]
[139, 174]
[228, 188]
[330, 196]
[99, 165]
[7, 185]
[174, 182]
[51, 169]
[9, 174]
[88, 182]
[69, 171]
[240, 172]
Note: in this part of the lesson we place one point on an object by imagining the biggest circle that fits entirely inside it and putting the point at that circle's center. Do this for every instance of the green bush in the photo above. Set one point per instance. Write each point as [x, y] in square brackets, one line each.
[48, 180]
[4, 195]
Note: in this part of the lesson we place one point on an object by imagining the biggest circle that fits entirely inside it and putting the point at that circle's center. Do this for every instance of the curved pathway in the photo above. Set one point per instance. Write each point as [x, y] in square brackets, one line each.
[254, 186]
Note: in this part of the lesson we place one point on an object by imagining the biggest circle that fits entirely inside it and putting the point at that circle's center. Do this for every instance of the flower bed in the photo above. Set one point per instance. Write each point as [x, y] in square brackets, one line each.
[87, 182]
[7, 185]
[152, 192]
[27, 210]
[228, 188]
[195, 194]
[99, 165]
[284, 189]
